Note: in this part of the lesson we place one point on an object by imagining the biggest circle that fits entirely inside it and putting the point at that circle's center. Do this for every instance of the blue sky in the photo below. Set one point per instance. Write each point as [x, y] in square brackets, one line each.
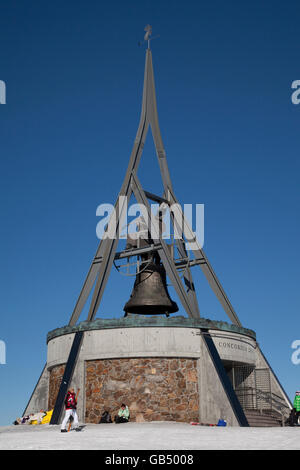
[74, 76]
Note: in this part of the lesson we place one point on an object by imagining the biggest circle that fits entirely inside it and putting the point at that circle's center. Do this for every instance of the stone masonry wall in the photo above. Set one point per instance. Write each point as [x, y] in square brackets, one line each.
[155, 389]
[55, 378]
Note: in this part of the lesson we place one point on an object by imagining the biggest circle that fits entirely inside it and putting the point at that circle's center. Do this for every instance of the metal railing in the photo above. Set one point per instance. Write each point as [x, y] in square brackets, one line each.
[265, 402]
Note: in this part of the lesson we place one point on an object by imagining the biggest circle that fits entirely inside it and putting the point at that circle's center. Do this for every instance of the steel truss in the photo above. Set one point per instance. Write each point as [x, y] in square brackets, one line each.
[106, 253]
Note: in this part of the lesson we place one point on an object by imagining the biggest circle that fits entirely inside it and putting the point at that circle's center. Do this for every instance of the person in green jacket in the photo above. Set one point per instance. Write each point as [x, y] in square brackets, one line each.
[123, 414]
[297, 402]
[295, 414]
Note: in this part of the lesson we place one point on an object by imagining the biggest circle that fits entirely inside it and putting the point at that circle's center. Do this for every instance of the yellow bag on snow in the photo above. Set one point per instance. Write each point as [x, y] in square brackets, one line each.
[47, 418]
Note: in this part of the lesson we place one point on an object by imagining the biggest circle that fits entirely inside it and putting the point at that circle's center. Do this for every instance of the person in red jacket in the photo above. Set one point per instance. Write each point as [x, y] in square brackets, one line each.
[70, 404]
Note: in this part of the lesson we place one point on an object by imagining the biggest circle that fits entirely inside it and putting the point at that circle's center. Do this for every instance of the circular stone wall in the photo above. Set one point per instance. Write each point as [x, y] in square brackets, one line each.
[151, 363]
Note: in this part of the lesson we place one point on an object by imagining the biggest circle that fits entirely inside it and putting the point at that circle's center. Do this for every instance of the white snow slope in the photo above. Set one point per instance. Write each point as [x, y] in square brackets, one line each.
[148, 436]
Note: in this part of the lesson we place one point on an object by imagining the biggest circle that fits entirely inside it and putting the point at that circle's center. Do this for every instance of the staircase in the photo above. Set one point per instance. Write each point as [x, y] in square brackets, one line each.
[267, 418]
[262, 408]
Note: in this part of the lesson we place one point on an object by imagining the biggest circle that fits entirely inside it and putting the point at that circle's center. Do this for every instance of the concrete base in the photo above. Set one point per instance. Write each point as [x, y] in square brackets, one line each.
[160, 368]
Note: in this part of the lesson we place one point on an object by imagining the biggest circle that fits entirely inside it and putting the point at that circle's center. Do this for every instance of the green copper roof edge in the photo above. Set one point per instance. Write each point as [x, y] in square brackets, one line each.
[149, 321]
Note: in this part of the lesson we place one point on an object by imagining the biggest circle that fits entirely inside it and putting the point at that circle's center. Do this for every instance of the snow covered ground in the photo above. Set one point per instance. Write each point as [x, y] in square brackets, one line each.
[148, 436]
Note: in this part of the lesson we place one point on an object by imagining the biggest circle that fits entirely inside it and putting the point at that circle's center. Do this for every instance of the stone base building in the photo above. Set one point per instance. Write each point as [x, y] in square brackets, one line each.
[161, 369]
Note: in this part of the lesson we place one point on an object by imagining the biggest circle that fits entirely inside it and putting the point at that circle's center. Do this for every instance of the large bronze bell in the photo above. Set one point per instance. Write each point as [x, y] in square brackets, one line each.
[150, 294]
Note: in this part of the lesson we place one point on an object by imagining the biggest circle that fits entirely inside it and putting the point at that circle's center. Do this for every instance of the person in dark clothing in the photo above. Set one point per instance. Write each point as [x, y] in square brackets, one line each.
[105, 417]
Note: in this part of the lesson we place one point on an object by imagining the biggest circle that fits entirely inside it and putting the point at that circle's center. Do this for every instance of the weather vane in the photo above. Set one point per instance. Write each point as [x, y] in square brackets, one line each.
[148, 29]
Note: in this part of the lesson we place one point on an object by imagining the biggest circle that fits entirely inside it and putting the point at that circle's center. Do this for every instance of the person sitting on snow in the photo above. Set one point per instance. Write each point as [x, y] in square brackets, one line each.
[123, 414]
[36, 417]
